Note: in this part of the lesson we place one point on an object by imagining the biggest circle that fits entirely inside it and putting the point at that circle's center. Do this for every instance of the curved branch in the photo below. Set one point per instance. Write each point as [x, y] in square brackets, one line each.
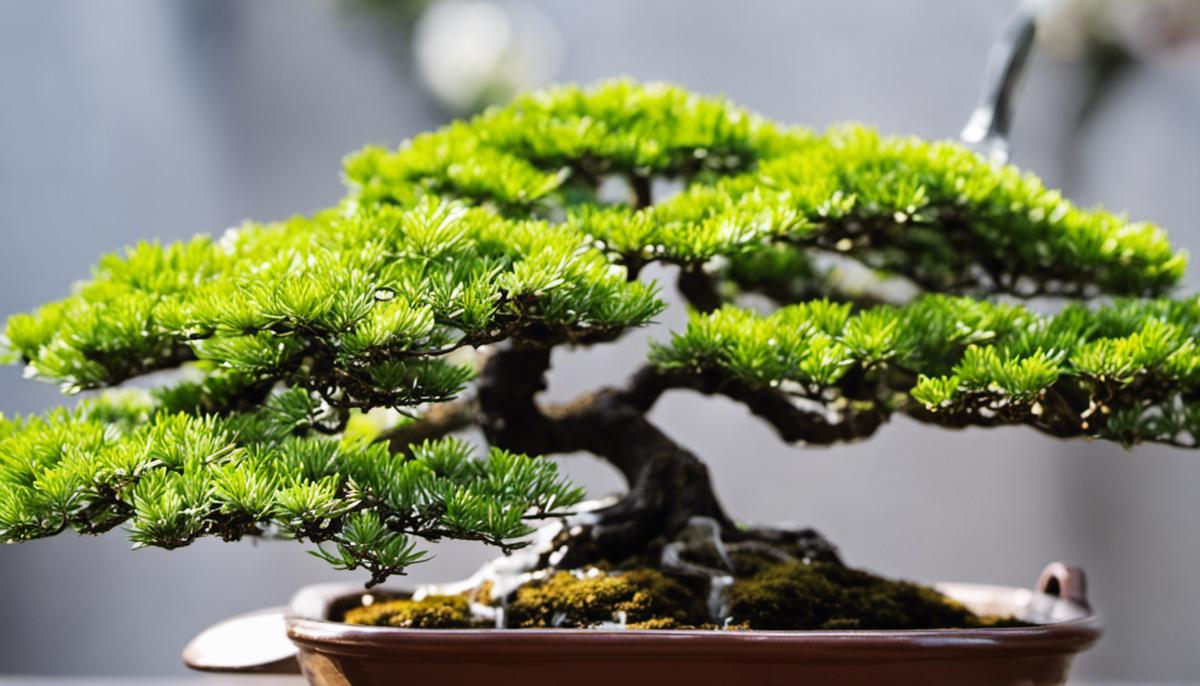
[668, 485]
[793, 423]
[698, 289]
[639, 185]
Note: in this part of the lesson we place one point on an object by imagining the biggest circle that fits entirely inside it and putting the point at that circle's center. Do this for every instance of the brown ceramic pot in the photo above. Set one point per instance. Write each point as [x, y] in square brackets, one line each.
[335, 654]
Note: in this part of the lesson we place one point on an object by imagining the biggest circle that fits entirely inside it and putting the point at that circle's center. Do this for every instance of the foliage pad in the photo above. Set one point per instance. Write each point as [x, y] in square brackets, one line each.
[1129, 371]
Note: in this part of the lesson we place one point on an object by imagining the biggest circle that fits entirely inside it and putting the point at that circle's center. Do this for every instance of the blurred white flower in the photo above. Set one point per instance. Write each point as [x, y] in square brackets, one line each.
[473, 53]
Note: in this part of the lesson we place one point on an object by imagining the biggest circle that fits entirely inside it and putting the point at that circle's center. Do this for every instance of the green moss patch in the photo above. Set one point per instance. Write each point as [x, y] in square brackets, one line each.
[434, 612]
[648, 598]
[767, 595]
[830, 596]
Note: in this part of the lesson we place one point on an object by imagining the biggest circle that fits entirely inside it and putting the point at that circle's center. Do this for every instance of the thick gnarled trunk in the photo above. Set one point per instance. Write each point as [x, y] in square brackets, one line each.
[668, 485]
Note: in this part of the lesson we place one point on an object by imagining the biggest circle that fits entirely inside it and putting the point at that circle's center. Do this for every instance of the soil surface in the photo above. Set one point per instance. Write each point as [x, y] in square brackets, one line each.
[763, 594]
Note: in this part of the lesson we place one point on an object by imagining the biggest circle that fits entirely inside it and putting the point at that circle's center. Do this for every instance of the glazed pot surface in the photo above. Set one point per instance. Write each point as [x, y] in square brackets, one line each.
[336, 654]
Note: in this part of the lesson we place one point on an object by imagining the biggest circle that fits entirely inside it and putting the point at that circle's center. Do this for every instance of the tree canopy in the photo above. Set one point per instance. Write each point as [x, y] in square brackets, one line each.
[506, 230]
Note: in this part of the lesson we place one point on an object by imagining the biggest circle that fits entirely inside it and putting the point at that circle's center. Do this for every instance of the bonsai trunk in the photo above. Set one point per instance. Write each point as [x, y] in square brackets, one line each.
[668, 484]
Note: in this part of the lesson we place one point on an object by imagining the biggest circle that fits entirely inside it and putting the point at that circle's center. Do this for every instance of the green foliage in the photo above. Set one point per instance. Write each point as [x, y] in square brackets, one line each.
[519, 155]
[173, 478]
[933, 212]
[1127, 371]
[358, 306]
[501, 229]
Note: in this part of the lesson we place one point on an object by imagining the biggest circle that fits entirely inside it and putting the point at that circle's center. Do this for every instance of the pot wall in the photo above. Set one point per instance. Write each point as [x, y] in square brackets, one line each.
[336, 654]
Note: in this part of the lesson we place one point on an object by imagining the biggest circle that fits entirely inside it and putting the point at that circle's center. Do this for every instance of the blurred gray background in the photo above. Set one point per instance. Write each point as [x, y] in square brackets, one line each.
[139, 119]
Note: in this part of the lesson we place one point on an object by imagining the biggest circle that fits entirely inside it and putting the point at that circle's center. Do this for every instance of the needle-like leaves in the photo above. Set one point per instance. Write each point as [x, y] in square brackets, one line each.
[506, 228]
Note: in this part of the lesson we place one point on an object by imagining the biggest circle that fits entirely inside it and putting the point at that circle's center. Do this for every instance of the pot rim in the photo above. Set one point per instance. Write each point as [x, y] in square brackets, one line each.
[1072, 628]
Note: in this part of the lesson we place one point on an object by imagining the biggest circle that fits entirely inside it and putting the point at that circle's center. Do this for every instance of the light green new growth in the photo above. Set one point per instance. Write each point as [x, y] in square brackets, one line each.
[1129, 371]
[503, 229]
[358, 307]
[934, 212]
[173, 475]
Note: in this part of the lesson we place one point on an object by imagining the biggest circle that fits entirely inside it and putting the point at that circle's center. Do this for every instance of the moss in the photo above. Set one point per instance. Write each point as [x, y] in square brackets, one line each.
[649, 599]
[824, 595]
[658, 623]
[433, 612]
[766, 595]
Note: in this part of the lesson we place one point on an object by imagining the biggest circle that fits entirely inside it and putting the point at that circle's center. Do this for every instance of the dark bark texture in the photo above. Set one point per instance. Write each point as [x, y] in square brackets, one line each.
[668, 485]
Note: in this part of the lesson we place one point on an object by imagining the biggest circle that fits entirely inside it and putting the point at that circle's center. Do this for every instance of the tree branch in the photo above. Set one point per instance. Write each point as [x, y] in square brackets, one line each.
[698, 289]
[668, 485]
[440, 420]
[642, 195]
[794, 424]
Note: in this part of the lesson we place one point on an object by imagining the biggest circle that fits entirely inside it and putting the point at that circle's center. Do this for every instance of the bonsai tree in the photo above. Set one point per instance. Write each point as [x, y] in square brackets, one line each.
[834, 280]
